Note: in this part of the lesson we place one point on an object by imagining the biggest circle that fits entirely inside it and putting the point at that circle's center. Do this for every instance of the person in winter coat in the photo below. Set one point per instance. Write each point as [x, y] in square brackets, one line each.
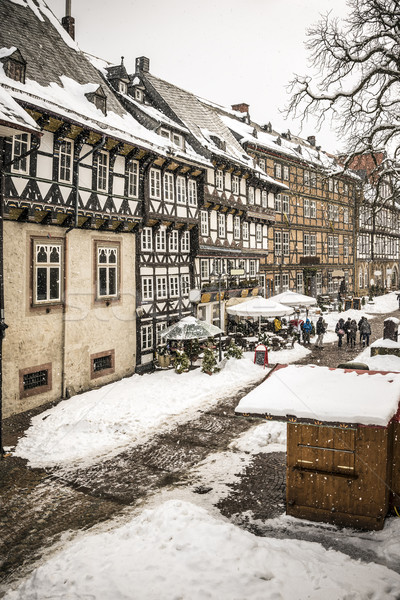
[307, 329]
[277, 325]
[365, 330]
[320, 330]
[346, 329]
[340, 331]
[359, 327]
[353, 333]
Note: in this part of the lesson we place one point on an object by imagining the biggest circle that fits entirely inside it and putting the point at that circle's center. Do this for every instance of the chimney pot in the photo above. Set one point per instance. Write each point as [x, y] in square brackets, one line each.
[311, 140]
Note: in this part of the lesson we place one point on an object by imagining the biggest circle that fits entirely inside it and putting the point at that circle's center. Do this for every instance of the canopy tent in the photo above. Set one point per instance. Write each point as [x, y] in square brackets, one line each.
[190, 328]
[259, 307]
[294, 299]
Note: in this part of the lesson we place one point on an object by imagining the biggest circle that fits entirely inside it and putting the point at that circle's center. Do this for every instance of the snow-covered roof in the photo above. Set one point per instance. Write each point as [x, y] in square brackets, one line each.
[386, 343]
[13, 116]
[202, 121]
[296, 148]
[311, 393]
[58, 75]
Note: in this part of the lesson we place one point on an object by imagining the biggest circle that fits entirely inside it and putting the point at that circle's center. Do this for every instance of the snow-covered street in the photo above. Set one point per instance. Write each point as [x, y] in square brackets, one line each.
[192, 531]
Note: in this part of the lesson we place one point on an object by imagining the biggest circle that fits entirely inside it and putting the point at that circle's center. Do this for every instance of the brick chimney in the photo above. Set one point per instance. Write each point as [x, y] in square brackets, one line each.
[68, 22]
[142, 64]
[242, 107]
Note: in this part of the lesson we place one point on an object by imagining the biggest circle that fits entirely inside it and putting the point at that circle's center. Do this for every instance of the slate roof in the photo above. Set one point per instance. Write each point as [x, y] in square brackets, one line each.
[59, 75]
[199, 118]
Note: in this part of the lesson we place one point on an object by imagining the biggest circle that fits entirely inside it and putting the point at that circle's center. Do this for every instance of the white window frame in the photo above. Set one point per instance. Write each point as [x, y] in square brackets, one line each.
[245, 231]
[132, 171]
[161, 240]
[146, 239]
[345, 215]
[285, 282]
[221, 225]
[299, 282]
[174, 286]
[155, 184]
[251, 195]
[306, 177]
[185, 284]
[21, 144]
[278, 170]
[285, 243]
[264, 199]
[286, 173]
[160, 326]
[219, 180]
[161, 287]
[66, 161]
[306, 209]
[181, 190]
[168, 186]
[192, 192]
[236, 228]
[330, 246]
[147, 288]
[146, 336]
[285, 204]
[313, 209]
[252, 268]
[110, 267]
[204, 225]
[235, 185]
[278, 203]
[278, 243]
[102, 165]
[258, 232]
[185, 242]
[173, 241]
[51, 270]
[204, 269]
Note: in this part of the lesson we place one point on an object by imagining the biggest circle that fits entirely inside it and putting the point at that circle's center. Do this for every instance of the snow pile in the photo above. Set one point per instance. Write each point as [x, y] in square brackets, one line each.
[179, 551]
[383, 304]
[310, 392]
[126, 413]
[381, 362]
[267, 437]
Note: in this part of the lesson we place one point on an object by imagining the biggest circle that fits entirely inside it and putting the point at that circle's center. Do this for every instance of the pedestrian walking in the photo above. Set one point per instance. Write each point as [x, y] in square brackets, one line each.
[307, 329]
[320, 330]
[365, 330]
[346, 329]
[359, 327]
[340, 331]
[353, 333]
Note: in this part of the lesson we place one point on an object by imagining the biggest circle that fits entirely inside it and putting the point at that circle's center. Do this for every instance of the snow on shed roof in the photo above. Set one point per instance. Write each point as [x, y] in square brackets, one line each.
[311, 393]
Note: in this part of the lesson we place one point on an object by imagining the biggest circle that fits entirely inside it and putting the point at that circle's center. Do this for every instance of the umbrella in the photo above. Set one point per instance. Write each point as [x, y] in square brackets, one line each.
[190, 328]
[294, 299]
[259, 307]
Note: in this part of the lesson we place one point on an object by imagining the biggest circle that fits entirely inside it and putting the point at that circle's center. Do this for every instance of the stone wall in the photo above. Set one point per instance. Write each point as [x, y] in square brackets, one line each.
[65, 341]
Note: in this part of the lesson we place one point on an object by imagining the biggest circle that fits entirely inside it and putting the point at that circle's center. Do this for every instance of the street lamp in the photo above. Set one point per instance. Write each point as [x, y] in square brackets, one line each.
[219, 273]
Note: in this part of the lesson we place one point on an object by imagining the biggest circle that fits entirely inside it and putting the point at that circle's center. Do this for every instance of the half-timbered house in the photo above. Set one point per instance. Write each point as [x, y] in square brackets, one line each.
[235, 198]
[312, 241]
[73, 207]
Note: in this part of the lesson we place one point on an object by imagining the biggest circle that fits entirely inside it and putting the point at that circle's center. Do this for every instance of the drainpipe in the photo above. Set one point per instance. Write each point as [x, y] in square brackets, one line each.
[99, 145]
[3, 325]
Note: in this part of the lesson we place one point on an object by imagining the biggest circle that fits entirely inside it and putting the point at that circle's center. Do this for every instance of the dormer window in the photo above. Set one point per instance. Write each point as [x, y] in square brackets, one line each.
[14, 66]
[99, 99]
[139, 96]
[175, 138]
[165, 133]
[122, 87]
[218, 142]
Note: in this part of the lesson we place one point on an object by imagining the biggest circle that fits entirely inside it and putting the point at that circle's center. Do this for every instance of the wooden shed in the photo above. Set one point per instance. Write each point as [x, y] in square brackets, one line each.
[343, 441]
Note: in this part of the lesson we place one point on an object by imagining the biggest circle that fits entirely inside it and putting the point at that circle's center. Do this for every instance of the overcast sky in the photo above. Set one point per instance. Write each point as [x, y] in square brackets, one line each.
[227, 51]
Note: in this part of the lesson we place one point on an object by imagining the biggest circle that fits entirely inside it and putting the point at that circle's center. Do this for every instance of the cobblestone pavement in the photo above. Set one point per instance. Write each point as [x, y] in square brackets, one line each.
[37, 507]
